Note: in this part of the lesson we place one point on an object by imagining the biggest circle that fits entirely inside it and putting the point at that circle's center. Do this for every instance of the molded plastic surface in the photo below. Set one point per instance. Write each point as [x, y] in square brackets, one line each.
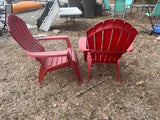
[50, 60]
[106, 42]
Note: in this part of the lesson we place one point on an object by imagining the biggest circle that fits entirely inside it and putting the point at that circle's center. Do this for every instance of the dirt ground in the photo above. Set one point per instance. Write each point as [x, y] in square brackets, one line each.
[60, 97]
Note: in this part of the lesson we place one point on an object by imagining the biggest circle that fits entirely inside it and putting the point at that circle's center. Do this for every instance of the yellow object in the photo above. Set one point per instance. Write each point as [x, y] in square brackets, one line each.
[26, 6]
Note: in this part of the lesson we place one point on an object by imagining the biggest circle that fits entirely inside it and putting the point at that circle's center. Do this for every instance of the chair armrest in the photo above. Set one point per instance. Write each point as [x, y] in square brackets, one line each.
[130, 49]
[47, 54]
[56, 38]
[82, 43]
[158, 38]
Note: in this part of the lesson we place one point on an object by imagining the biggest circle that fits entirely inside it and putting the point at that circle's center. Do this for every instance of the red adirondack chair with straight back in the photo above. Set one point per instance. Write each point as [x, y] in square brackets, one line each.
[49, 60]
[106, 42]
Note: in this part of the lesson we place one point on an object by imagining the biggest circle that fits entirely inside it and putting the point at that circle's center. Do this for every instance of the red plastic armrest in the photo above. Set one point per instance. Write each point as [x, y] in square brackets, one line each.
[130, 49]
[82, 44]
[56, 38]
[47, 54]
[158, 38]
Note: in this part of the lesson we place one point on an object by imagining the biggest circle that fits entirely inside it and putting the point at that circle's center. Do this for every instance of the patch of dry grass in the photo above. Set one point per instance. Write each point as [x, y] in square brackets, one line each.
[135, 98]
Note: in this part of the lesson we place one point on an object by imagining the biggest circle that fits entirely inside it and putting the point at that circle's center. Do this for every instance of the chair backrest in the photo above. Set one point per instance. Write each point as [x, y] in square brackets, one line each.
[156, 11]
[108, 40]
[119, 6]
[128, 2]
[106, 5]
[19, 31]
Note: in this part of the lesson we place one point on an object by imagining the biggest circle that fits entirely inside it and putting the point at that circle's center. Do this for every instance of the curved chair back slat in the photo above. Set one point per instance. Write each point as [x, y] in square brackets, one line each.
[112, 37]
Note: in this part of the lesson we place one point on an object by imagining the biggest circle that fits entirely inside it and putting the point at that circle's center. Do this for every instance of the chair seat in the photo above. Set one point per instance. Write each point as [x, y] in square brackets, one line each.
[56, 61]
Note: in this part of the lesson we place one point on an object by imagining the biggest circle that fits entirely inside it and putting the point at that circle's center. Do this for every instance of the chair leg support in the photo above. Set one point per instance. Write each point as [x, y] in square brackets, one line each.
[42, 73]
[118, 72]
[89, 66]
[76, 70]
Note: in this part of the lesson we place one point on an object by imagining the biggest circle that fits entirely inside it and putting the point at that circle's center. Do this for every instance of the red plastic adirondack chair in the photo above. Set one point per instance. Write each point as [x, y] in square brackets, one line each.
[106, 42]
[49, 60]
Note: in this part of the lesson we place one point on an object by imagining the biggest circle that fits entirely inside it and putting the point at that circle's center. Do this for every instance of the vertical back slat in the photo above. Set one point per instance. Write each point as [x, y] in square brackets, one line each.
[113, 37]
[108, 31]
[127, 36]
[98, 39]
[131, 37]
[90, 40]
[116, 36]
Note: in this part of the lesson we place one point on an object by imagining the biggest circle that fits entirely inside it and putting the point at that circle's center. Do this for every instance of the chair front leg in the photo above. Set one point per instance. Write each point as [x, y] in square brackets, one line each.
[77, 72]
[85, 56]
[42, 73]
[89, 66]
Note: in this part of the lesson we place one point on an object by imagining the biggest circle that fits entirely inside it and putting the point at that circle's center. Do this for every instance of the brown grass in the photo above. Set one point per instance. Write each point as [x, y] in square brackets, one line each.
[135, 98]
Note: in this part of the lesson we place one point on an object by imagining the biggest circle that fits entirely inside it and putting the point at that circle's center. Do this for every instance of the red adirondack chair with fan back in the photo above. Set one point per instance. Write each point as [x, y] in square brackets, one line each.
[106, 42]
[49, 60]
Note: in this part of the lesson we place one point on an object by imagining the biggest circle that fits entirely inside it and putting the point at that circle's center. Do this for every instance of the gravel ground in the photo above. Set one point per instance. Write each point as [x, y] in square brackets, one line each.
[60, 97]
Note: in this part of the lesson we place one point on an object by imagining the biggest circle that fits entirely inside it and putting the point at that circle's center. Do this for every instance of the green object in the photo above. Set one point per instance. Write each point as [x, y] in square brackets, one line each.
[106, 5]
[128, 2]
[119, 6]
[156, 11]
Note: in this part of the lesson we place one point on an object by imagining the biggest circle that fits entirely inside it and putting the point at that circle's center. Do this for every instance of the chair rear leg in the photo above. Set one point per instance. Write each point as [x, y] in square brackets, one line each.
[118, 72]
